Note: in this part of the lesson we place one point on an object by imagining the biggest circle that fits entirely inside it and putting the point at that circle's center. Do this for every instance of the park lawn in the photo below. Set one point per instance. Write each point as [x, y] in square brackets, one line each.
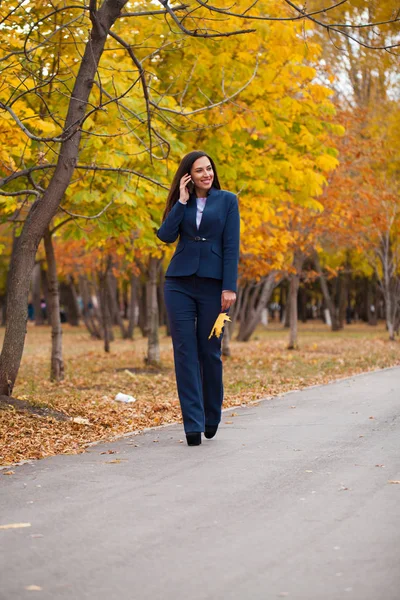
[257, 369]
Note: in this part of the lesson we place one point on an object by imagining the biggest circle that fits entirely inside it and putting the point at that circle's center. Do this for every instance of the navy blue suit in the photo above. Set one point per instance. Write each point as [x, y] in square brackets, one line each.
[205, 262]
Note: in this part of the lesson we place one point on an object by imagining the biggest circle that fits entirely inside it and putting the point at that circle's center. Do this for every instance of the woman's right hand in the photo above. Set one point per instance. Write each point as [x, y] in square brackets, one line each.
[183, 191]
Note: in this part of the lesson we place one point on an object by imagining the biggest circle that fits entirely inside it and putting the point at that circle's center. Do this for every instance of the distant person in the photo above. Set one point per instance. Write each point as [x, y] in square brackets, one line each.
[31, 312]
[63, 314]
[43, 307]
[200, 282]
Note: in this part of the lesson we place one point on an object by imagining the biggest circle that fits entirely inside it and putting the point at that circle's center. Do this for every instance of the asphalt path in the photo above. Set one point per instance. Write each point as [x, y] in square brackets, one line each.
[295, 498]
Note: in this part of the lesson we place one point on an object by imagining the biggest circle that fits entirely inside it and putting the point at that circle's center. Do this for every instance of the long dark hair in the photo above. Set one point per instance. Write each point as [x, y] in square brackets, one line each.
[185, 167]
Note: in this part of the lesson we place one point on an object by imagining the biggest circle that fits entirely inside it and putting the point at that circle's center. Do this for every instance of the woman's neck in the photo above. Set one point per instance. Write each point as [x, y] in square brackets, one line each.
[200, 193]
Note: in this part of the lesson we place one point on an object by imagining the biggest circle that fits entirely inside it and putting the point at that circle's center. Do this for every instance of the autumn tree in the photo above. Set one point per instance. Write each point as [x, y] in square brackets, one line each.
[362, 195]
[62, 84]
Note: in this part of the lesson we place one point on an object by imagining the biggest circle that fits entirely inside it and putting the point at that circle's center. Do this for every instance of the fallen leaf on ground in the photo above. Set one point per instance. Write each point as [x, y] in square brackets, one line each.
[33, 588]
[15, 525]
[9, 473]
[92, 378]
[130, 373]
[81, 420]
[393, 481]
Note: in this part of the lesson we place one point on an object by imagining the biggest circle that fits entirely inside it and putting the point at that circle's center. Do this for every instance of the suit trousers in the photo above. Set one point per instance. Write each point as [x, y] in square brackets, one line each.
[193, 303]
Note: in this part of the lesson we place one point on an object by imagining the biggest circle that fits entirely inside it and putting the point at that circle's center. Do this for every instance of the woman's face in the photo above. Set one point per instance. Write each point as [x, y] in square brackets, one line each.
[202, 174]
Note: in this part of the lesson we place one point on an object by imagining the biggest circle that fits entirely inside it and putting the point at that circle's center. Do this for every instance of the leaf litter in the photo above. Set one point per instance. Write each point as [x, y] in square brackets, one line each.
[93, 378]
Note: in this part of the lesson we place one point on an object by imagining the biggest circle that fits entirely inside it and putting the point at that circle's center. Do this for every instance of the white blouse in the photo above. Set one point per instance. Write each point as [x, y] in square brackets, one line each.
[201, 204]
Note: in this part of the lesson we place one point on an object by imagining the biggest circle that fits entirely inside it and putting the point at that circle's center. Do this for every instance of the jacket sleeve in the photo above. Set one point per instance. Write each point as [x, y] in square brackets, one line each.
[169, 230]
[230, 244]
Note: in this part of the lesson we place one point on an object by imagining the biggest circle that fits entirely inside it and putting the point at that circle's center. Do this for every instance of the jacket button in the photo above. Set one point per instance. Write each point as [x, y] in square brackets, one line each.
[197, 238]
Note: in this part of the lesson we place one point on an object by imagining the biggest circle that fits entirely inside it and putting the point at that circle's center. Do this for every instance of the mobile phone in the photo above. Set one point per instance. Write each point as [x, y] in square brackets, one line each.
[190, 186]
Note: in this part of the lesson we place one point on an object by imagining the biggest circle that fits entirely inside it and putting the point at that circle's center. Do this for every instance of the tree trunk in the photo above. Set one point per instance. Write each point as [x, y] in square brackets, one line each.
[286, 319]
[74, 311]
[104, 307]
[96, 292]
[327, 297]
[248, 326]
[4, 312]
[143, 318]
[341, 300]
[303, 303]
[3, 307]
[37, 294]
[390, 323]
[57, 363]
[161, 302]
[372, 303]
[235, 311]
[45, 295]
[392, 300]
[226, 339]
[46, 206]
[241, 311]
[116, 316]
[293, 293]
[87, 311]
[389, 282]
[281, 302]
[133, 301]
[153, 344]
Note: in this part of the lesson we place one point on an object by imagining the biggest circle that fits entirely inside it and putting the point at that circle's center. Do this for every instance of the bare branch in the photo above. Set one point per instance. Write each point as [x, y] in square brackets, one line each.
[208, 107]
[13, 10]
[142, 74]
[95, 168]
[148, 13]
[30, 135]
[129, 171]
[33, 183]
[196, 33]
[25, 173]
[52, 231]
[88, 218]
[139, 118]
[364, 25]
[21, 193]
[336, 29]
[244, 15]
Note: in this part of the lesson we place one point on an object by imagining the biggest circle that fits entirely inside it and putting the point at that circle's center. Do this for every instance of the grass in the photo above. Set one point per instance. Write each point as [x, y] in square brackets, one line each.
[257, 369]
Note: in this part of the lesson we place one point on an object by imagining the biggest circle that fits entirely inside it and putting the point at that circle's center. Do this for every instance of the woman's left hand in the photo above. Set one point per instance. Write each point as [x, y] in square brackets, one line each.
[227, 299]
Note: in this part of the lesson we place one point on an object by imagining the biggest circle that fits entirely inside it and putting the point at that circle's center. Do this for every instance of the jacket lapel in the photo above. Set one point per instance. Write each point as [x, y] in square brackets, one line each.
[210, 200]
[191, 212]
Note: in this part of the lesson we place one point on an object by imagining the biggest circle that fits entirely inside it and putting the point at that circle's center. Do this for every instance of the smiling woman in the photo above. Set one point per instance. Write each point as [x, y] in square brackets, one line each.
[200, 282]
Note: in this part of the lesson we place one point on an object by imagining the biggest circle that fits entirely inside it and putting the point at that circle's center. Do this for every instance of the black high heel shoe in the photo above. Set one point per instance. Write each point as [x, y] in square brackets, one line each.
[193, 439]
[210, 431]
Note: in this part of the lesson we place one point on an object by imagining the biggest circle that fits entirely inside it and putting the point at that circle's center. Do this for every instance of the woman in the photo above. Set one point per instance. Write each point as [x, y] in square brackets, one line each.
[200, 282]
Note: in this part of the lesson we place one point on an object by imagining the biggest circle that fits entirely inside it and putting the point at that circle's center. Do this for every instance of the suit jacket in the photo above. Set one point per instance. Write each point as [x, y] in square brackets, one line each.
[213, 249]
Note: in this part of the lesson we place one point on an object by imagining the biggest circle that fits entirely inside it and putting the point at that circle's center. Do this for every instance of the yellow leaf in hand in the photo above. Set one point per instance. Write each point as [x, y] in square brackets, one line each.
[218, 325]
